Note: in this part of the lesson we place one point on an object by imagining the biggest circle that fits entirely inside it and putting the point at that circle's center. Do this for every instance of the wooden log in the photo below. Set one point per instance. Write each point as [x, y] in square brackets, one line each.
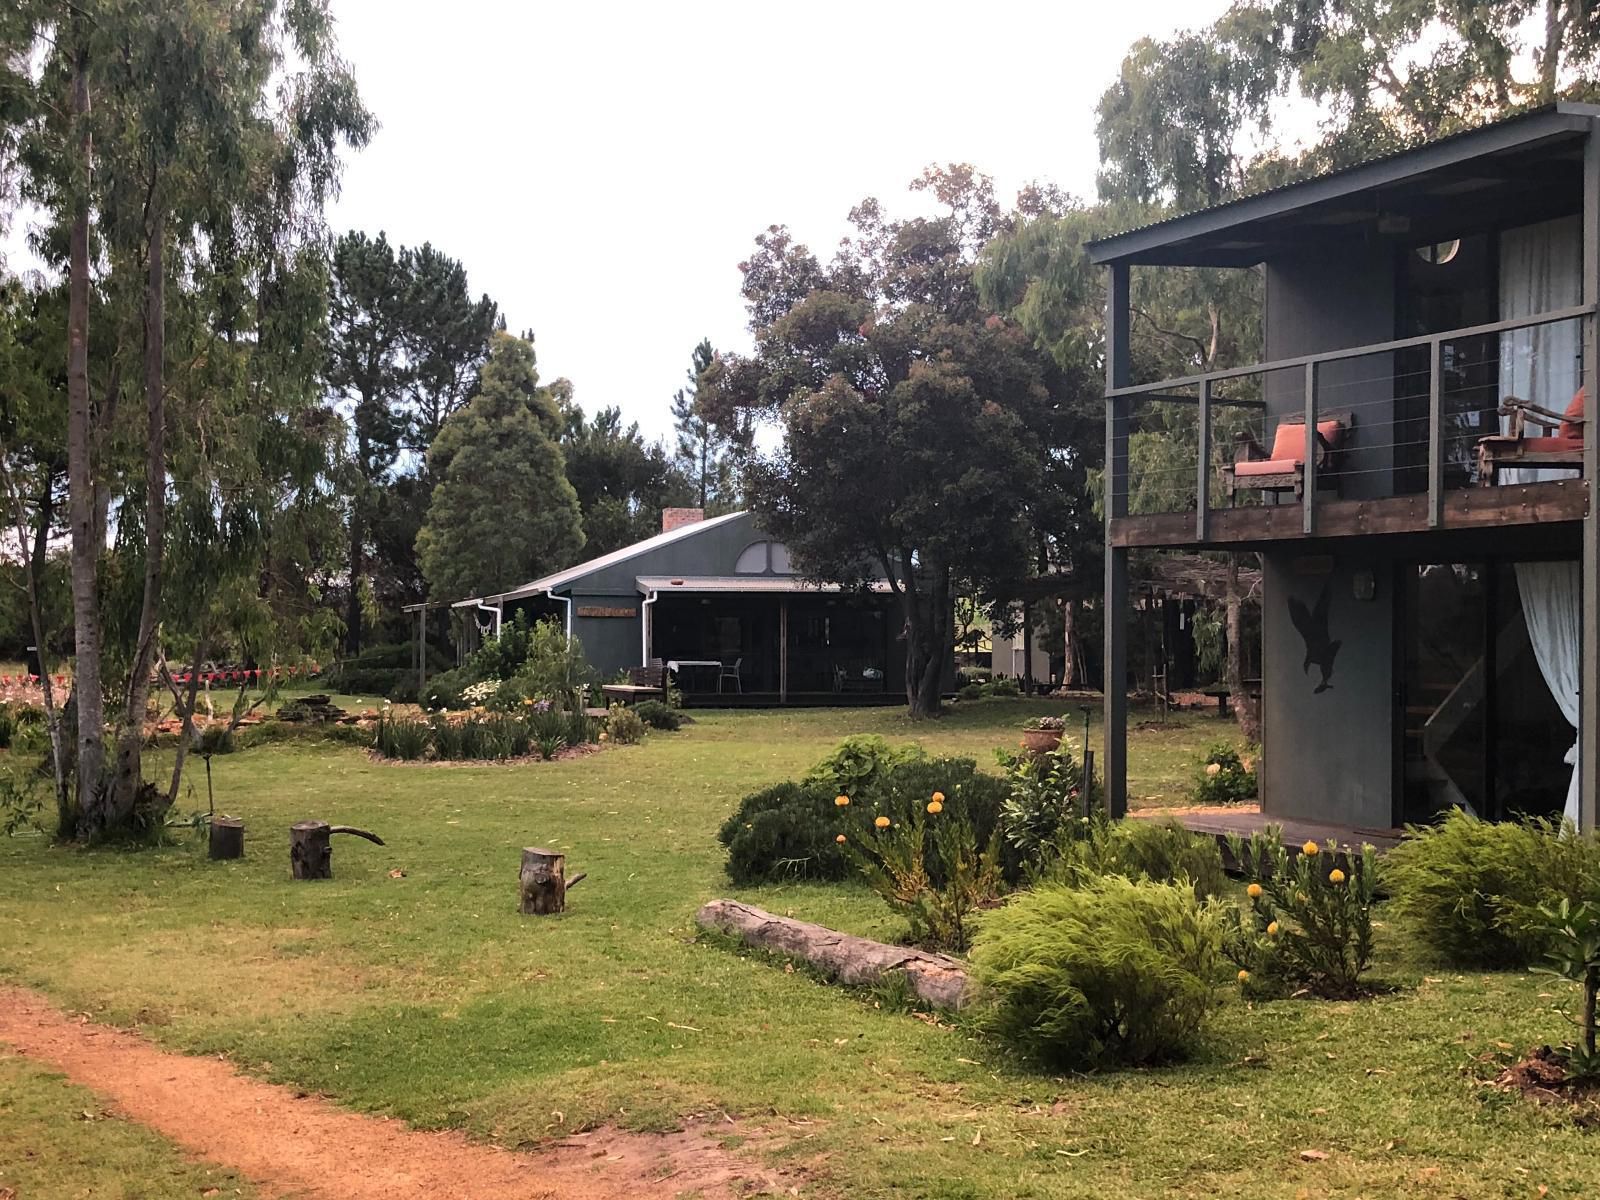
[310, 851]
[227, 837]
[542, 882]
[937, 979]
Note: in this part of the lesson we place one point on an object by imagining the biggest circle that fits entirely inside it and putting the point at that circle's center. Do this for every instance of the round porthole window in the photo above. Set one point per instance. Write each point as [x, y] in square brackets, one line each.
[1439, 253]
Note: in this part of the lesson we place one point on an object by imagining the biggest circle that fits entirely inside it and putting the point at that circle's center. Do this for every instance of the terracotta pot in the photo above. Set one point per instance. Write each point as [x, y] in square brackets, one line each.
[1040, 741]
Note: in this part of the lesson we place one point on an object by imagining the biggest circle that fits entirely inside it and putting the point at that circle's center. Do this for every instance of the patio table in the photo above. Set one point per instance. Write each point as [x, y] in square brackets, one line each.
[676, 664]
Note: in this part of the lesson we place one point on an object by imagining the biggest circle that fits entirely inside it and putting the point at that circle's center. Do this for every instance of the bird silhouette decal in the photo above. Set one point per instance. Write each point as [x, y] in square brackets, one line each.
[1313, 627]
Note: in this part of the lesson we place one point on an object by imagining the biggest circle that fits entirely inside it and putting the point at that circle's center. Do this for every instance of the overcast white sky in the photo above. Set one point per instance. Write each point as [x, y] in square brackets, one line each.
[601, 169]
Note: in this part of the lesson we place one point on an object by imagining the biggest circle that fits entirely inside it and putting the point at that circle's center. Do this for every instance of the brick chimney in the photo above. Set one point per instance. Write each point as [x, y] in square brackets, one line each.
[677, 518]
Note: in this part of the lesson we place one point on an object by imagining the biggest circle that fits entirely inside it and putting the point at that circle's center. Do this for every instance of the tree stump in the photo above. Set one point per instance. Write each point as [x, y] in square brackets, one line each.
[227, 837]
[543, 882]
[310, 850]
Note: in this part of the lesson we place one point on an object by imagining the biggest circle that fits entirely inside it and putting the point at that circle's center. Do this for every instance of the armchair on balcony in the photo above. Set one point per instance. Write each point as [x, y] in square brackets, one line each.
[1517, 448]
[1283, 469]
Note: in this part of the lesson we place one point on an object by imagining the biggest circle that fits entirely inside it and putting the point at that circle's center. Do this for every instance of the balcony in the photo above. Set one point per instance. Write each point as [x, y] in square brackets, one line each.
[1373, 440]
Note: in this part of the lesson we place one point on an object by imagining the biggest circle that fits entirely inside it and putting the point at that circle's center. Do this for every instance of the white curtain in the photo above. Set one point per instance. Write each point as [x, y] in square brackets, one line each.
[1540, 270]
[1551, 604]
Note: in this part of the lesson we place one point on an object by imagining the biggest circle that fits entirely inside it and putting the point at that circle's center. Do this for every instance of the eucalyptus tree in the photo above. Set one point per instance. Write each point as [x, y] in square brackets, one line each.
[182, 153]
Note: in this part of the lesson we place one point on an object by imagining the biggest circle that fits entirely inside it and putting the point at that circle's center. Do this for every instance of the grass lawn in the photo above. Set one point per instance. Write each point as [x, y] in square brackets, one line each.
[427, 997]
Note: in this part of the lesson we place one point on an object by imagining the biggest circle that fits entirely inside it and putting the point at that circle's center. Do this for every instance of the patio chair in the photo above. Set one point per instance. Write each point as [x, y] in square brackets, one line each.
[1517, 448]
[1283, 469]
[731, 671]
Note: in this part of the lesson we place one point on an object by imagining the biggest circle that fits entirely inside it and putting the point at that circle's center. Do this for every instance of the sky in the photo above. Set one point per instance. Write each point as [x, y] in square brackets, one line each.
[602, 169]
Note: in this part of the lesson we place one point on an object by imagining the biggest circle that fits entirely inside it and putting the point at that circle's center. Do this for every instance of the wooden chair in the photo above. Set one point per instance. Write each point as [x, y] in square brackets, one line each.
[1283, 469]
[644, 683]
[1517, 448]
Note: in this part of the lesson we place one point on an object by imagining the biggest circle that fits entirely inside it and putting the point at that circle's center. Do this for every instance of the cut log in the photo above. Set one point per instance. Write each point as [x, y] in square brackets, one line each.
[937, 979]
[310, 850]
[542, 882]
[227, 837]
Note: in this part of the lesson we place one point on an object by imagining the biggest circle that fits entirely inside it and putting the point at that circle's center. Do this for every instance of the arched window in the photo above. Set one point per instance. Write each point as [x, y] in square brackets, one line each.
[763, 558]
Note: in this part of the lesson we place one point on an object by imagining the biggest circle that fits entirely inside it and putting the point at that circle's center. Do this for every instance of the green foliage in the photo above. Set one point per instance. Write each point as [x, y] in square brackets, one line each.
[1005, 687]
[553, 668]
[709, 455]
[860, 766]
[659, 715]
[502, 511]
[1473, 891]
[1309, 922]
[1140, 849]
[1111, 972]
[970, 691]
[405, 738]
[784, 832]
[1224, 776]
[1571, 934]
[445, 689]
[623, 726]
[895, 856]
[1043, 804]
[22, 793]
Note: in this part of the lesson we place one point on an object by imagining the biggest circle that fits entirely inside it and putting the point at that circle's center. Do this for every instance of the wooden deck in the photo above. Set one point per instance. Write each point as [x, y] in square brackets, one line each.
[1466, 508]
[1246, 820]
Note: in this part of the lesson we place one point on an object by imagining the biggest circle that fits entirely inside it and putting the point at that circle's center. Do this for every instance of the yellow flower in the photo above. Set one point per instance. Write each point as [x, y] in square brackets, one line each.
[938, 797]
[935, 807]
[882, 822]
[1253, 891]
[1272, 929]
[529, 700]
[1213, 769]
[1244, 976]
[840, 839]
[841, 801]
[1310, 848]
[1336, 876]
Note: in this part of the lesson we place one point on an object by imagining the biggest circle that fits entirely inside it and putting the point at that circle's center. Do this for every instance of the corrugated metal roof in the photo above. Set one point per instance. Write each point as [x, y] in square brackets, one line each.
[536, 586]
[664, 584]
[1105, 249]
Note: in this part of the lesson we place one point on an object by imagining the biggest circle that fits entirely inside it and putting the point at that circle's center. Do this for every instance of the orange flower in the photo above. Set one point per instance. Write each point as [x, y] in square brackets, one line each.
[840, 839]
[938, 797]
[935, 806]
[1253, 891]
[882, 822]
[1310, 848]
[1213, 769]
[841, 801]
[1336, 876]
[1244, 976]
[1272, 929]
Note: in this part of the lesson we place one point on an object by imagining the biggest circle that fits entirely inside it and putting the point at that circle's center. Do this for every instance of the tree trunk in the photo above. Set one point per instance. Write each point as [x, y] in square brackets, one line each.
[934, 978]
[84, 555]
[1244, 704]
[928, 640]
[227, 838]
[1550, 56]
[310, 850]
[130, 742]
[1069, 643]
[1027, 649]
[358, 566]
[542, 882]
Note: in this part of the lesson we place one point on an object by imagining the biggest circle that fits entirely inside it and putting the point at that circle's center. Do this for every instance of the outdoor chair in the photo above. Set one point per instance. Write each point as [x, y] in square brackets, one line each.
[731, 671]
[1283, 469]
[644, 683]
[1518, 448]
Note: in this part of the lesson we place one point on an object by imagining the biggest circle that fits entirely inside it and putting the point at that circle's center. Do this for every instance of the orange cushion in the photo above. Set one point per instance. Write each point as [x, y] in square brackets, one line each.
[1290, 439]
[1554, 445]
[1267, 466]
[1575, 409]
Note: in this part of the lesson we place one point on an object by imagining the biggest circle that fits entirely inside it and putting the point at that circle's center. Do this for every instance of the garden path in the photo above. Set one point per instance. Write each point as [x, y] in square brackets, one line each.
[292, 1144]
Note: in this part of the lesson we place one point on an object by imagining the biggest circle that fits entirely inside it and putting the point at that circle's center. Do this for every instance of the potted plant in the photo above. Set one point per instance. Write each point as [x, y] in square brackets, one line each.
[1042, 734]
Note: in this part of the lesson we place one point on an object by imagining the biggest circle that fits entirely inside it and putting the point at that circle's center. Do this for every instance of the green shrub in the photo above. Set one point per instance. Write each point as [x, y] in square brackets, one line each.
[1572, 950]
[1139, 849]
[784, 832]
[400, 737]
[1002, 687]
[970, 691]
[623, 726]
[444, 690]
[1472, 890]
[1114, 971]
[1309, 923]
[581, 728]
[659, 715]
[1224, 777]
[364, 681]
[404, 690]
[860, 764]
[1043, 803]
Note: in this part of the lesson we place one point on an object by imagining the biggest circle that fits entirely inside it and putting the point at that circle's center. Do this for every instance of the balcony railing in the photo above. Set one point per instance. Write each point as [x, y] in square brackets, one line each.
[1409, 415]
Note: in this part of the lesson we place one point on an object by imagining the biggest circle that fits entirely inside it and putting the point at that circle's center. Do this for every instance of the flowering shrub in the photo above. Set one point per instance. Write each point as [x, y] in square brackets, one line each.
[1113, 971]
[1309, 918]
[1473, 891]
[476, 695]
[1043, 805]
[1046, 724]
[1224, 776]
[623, 725]
[895, 857]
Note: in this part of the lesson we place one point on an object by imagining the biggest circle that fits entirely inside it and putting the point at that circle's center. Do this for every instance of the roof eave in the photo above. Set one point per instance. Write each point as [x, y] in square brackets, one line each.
[1145, 246]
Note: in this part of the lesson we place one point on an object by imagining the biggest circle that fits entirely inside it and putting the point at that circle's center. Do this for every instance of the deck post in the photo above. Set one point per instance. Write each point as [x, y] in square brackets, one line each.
[1435, 434]
[783, 650]
[1308, 499]
[1118, 369]
[1589, 672]
[1202, 483]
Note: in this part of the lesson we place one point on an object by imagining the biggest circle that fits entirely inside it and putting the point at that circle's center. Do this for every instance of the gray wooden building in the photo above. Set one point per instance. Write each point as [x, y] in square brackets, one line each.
[1410, 459]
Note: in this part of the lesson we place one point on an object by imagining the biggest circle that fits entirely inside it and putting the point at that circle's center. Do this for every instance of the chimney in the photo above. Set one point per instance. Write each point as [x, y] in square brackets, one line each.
[677, 518]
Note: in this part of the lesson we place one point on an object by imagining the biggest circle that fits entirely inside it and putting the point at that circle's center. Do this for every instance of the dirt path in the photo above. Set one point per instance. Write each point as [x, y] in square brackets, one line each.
[303, 1146]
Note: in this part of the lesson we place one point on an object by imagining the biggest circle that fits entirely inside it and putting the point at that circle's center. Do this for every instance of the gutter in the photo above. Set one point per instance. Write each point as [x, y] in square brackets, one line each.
[566, 600]
[644, 628]
[498, 614]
